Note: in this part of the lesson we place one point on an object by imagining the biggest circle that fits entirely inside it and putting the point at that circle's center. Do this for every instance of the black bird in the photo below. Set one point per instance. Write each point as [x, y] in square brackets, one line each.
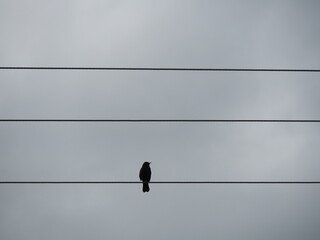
[145, 176]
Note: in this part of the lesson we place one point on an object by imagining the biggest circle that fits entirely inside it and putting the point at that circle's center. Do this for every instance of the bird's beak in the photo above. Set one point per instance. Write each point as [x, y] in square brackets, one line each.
[150, 162]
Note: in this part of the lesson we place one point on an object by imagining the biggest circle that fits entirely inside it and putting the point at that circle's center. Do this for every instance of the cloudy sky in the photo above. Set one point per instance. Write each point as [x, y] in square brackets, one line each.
[212, 34]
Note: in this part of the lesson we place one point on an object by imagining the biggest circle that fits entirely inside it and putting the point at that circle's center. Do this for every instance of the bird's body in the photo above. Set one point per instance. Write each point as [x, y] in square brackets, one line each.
[145, 176]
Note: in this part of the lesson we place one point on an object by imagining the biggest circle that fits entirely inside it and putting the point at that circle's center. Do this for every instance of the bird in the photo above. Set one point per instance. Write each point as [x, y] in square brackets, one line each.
[145, 176]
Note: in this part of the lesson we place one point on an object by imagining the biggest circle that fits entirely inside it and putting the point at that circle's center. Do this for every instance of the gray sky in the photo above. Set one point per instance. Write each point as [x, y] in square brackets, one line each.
[230, 34]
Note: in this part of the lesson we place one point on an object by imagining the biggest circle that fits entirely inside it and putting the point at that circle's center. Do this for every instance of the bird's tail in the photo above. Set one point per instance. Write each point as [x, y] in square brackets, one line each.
[145, 187]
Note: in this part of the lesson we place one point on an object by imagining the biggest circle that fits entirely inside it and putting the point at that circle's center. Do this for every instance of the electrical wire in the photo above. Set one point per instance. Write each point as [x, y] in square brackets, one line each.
[161, 69]
[165, 120]
[160, 182]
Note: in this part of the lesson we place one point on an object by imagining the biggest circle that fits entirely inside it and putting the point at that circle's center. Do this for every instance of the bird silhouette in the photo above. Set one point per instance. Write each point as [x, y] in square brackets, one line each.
[145, 176]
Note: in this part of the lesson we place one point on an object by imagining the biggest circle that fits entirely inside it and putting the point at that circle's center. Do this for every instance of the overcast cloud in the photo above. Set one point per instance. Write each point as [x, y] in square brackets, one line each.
[221, 34]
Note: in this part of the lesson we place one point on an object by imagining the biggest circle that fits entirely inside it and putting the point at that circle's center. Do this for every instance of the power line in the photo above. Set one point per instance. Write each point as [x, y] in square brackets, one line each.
[165, 120]
[162, 69]
[160, 182]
